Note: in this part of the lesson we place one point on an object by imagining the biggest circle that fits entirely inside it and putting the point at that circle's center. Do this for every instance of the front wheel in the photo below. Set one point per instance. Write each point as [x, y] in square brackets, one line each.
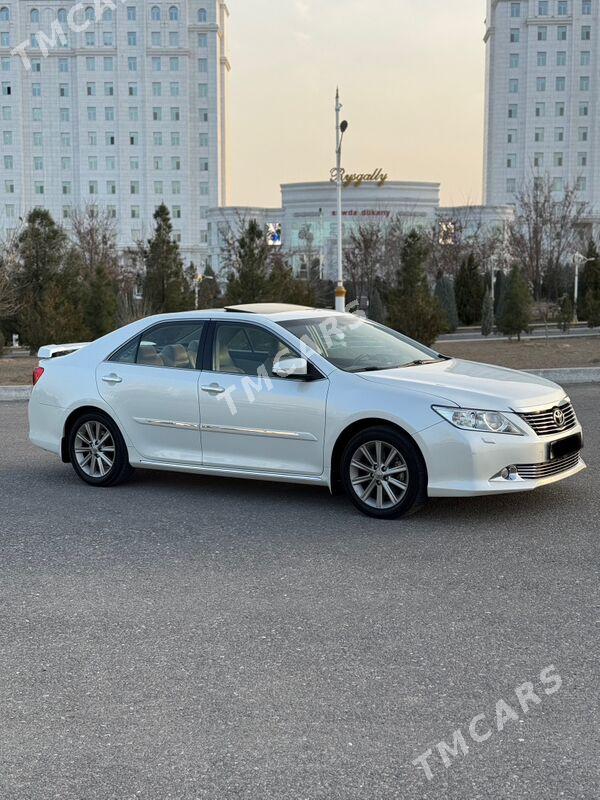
[97, 450]
[384, 474]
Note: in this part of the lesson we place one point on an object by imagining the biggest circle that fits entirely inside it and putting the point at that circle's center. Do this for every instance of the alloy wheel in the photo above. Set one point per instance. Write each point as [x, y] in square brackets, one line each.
[95, 449]
[379, 475]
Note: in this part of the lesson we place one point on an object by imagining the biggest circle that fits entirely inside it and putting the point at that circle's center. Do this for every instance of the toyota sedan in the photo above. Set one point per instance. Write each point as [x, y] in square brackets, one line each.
[299, 395]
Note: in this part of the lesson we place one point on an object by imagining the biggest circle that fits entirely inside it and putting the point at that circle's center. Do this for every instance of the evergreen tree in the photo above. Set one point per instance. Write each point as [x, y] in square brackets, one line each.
[444, 292]
[515, 314]
[209, 289]
[565, 312]
[487, 314]
[248, 258]
[48, 284]
[412, 308]
[165, 285]
[281, 286]
[589, 286]
[498, 290]
[469, 291]
[100, 304]
[376, 307]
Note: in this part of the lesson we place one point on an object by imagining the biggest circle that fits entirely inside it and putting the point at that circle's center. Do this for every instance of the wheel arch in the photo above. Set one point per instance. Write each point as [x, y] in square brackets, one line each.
[349, 432]
[70, 420]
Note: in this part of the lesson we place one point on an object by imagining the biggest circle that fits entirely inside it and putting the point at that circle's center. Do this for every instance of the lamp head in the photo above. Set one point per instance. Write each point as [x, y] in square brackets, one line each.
[344, 126]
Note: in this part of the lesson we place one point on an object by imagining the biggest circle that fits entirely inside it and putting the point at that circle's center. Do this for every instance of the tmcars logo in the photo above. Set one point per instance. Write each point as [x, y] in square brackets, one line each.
[482, 727]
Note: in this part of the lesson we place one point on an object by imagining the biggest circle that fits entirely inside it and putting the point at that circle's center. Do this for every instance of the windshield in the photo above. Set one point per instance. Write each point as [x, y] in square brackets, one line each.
[358, 345]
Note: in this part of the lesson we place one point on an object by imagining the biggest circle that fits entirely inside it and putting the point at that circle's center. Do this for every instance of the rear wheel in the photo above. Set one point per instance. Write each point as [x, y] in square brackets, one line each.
[97, 450]
[384, 474]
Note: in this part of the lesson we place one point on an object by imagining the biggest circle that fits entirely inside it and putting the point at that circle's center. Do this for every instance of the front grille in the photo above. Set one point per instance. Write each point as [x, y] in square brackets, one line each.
[534, 472]
[544, 424]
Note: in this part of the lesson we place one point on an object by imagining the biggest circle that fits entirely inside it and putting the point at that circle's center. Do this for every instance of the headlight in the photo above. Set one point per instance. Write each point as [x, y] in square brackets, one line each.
[468, 419]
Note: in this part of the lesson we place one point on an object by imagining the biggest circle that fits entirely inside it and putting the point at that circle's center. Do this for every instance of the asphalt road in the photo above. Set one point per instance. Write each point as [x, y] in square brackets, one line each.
[184, 637]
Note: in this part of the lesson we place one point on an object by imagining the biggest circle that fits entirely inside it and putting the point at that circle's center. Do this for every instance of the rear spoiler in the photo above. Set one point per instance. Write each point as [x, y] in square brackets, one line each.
[58, 350]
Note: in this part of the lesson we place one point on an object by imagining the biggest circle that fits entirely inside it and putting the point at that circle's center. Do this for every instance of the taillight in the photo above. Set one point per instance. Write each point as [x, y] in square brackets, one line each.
[37, 374]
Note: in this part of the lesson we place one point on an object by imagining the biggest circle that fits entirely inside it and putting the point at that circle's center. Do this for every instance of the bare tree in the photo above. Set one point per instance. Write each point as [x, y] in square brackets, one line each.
[546, 230]
[94, 234]
[459, 235]
[8, 260]
[364, 259]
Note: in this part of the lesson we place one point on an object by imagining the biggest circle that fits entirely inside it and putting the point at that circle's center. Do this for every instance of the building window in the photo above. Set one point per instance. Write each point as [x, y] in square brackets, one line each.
[64, 115]
[563, 8]
[174, 89]
[174, 64]
[109, 114]
[90, 39]
[134, 187]
[561, 33]
[561, 83]
[542, 33]
[582, 159]
[131, 13]
[107, 38]
[157, 114]
[202, 40]
[584, 109]
[175, 115]
[158, 187]
[174, 14]
[584, 83]
[7, 90]
[90, 64]
[559, 110]
[540, 109]
[91, 113]
[558, 185]
[513, 86]
[543, 9]
[586, 7]
[583, 134]
[34, 15]
[156, 64]
[155, 14]
[559, 134]
[175, 139]
[515, 35]
[4, 14]
[63, 65]
[133, 90]
[132, 64]
[111, 163]
[134, 139]
[542, 59]
[4, 39]
[511, 138]
[108, 64]
[93, 187]
[538, 160]
[581, 183]
[93, 163]
[511, 162]
[539, 135]
[541, 84]
[36, 114]
[561, 58]
[203, 90]
[203, 17]
[559, 159]
[173, 38]
[514, 60]
[586, 33]
[132, 38]
[586, 58]
[38, 187]
[36, 65]
[135, 212]
[158, 162]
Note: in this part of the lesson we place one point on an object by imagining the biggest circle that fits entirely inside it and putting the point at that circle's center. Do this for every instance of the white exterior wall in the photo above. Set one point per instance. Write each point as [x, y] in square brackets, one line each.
[70, 137]
[516, 76]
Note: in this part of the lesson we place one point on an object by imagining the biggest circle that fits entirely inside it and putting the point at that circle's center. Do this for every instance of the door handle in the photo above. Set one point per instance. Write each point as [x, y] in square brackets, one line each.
[112, 378]
[214, 388]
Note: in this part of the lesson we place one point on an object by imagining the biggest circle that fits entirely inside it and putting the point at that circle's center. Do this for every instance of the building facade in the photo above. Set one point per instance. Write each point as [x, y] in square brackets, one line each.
[124, 111]
[306, 228]
[542, 97]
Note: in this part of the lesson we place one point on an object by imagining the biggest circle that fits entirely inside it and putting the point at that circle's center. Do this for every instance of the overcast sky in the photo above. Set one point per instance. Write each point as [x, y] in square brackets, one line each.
[411, 73]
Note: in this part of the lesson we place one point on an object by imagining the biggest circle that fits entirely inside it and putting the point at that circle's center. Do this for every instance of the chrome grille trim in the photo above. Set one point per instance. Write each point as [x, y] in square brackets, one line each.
[543, 422]
[535, 472]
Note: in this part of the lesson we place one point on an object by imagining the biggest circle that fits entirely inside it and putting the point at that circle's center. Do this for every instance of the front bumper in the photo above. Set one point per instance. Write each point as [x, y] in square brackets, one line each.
[468, 463]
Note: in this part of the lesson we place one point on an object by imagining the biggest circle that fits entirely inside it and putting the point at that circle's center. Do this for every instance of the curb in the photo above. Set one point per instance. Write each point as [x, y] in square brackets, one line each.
[11, 393]
[573, 375]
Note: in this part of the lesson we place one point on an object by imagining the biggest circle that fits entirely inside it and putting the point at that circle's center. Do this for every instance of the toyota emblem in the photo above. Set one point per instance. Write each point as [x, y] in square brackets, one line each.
[559, 418]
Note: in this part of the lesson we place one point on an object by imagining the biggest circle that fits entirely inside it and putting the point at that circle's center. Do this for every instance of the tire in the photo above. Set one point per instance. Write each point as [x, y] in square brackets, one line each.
[384, 474]
[97, 450]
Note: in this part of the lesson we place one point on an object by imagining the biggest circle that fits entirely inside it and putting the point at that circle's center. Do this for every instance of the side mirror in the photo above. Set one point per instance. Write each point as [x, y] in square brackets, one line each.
[291, 367]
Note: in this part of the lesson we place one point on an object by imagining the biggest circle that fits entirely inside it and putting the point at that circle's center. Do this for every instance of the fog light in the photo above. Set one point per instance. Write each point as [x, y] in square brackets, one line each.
[510, 473]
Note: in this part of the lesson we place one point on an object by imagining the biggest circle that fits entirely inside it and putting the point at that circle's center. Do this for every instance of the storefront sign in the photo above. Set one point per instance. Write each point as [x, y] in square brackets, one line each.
[357, 179]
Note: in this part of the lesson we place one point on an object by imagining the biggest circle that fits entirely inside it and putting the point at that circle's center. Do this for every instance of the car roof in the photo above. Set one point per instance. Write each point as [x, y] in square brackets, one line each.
[277, 312]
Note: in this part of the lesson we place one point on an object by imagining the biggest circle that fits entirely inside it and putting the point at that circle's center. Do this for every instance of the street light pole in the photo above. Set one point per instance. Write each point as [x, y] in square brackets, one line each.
[340, 129]
[579, 260]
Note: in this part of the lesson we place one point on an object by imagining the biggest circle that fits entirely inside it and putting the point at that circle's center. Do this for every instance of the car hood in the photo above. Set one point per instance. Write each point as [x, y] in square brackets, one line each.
[472, 385]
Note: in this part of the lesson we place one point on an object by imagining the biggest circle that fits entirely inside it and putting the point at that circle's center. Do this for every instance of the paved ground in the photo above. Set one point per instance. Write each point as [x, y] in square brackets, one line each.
[195, 638]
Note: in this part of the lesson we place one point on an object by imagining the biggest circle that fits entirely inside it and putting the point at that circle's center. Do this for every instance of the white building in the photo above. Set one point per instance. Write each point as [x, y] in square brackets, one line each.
[126, 111]
[542, 97]
[307, 219]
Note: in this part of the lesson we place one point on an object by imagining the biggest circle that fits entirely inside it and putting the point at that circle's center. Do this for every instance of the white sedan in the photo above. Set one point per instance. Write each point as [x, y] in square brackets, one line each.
[286, 393]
